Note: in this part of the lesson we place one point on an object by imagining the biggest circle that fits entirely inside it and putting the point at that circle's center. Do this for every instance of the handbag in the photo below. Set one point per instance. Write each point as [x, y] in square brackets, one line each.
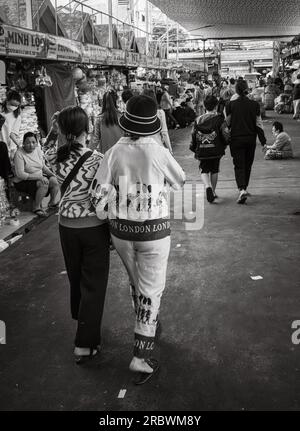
[67, 181]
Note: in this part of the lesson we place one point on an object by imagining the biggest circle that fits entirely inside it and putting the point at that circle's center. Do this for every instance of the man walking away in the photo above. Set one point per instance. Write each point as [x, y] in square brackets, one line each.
[244, 119]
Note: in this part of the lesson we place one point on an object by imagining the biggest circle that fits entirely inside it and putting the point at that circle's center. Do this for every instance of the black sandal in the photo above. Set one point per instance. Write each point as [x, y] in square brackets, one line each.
[40, 213]
[82, 359]
[144, 377]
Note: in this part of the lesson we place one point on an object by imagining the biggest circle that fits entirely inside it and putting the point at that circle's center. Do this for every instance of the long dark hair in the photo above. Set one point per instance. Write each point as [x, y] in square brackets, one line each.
[109, 109]
[72, 121]
[12, 95]
[150, 93]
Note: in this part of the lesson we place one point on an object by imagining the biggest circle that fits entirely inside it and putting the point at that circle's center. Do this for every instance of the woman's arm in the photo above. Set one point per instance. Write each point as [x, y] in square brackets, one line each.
[164, 132]
[174, 174]
[14, 135]
[96, 136]
[48, 172]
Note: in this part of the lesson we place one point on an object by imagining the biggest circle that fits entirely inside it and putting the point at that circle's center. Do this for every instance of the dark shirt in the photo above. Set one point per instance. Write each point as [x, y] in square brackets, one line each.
[243, 113]
[296, 92]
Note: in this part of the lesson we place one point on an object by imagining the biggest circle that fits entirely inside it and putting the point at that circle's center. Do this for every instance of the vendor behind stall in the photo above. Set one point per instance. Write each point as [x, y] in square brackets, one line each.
[11, 111]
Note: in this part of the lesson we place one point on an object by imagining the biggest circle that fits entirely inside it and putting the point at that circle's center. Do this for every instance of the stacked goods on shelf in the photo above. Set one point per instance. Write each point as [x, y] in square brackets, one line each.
[270, 95]
[29, 121]
[4, 205]
[2, 93]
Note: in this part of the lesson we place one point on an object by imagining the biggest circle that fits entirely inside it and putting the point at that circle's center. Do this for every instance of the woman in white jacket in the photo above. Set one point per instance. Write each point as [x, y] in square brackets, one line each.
[132, 188]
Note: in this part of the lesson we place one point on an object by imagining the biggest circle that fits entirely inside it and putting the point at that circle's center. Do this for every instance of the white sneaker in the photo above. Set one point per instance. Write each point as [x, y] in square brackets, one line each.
[242, 197]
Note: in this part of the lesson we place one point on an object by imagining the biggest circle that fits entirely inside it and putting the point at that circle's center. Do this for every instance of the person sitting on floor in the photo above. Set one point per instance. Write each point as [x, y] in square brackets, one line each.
[280, 103]
[183, 114]
[282, 147]
[33, 176]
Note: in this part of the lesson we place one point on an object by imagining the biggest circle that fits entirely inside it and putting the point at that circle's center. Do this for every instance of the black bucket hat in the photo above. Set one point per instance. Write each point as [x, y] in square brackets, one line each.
[140, 116]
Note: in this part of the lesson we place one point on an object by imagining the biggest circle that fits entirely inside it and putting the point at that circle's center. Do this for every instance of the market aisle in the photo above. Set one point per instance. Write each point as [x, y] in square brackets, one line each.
[227, 338]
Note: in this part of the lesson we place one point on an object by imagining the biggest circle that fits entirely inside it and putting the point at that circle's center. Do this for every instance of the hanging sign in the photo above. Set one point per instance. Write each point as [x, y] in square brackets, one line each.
[94, 54]
[153, 62]
[68, 50]
[132, 59]
[18, 42]
[116, 57]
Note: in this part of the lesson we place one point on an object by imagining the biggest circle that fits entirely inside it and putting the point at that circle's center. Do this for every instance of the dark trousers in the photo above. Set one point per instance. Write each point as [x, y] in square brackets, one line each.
[86, 254]
[243, 152]
[5, 166]
[171, 120]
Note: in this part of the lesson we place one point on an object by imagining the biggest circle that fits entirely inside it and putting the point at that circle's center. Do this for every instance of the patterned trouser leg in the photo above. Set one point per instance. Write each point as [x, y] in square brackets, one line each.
[146, 264]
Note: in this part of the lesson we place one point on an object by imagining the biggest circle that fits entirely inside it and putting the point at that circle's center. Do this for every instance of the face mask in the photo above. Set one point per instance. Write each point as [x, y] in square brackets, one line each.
[12, 108]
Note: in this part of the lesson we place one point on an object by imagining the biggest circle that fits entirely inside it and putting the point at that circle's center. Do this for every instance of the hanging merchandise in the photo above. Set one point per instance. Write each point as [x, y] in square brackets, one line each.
[43, 79]
[2, 73]
[77, 73]
[4, 205]
[117, 80]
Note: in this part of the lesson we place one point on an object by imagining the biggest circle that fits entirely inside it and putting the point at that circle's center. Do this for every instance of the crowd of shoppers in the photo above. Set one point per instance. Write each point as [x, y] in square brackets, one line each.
[97, 210]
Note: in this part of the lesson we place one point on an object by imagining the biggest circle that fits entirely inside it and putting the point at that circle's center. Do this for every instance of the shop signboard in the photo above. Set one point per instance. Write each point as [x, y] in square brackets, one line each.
[191, 66]
[19, 42]
[116, 57]
[292, 51]
[68, 50]
[154, 62]
[173, 64]
[295, 50]
[94, 54]
[143, 60]
[132, 58]
[2, 41]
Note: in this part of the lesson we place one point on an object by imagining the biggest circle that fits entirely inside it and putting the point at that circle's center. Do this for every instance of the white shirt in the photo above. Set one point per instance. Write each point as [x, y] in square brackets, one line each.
[142, 171]
[28, 164]
[11, 125]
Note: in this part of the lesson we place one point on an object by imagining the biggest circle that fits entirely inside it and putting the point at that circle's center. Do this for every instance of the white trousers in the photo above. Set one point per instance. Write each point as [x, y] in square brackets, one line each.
[146, 264]
[296, 104]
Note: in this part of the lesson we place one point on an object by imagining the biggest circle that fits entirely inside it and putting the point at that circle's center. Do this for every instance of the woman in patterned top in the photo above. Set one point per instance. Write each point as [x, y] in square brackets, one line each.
[84, 238]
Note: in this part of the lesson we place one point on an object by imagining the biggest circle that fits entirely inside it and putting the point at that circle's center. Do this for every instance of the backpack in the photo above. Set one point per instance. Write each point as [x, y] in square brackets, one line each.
[207, 139]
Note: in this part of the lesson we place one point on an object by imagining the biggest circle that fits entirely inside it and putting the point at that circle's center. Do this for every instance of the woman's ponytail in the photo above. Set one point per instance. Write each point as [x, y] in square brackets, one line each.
[72, 121]
[64, 152]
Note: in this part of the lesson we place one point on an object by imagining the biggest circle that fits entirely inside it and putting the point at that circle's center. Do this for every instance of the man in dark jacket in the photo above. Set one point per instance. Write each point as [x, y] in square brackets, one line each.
[244, 119]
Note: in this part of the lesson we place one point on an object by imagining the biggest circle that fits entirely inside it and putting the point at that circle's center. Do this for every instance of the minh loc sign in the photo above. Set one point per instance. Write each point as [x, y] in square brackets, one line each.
[25, 43]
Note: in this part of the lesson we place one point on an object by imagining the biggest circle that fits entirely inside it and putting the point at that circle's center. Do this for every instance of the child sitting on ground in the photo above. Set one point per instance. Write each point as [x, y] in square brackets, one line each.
[282, 147]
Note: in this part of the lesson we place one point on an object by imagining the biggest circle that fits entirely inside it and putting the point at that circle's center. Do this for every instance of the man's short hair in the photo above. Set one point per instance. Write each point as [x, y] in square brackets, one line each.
[210, 103]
